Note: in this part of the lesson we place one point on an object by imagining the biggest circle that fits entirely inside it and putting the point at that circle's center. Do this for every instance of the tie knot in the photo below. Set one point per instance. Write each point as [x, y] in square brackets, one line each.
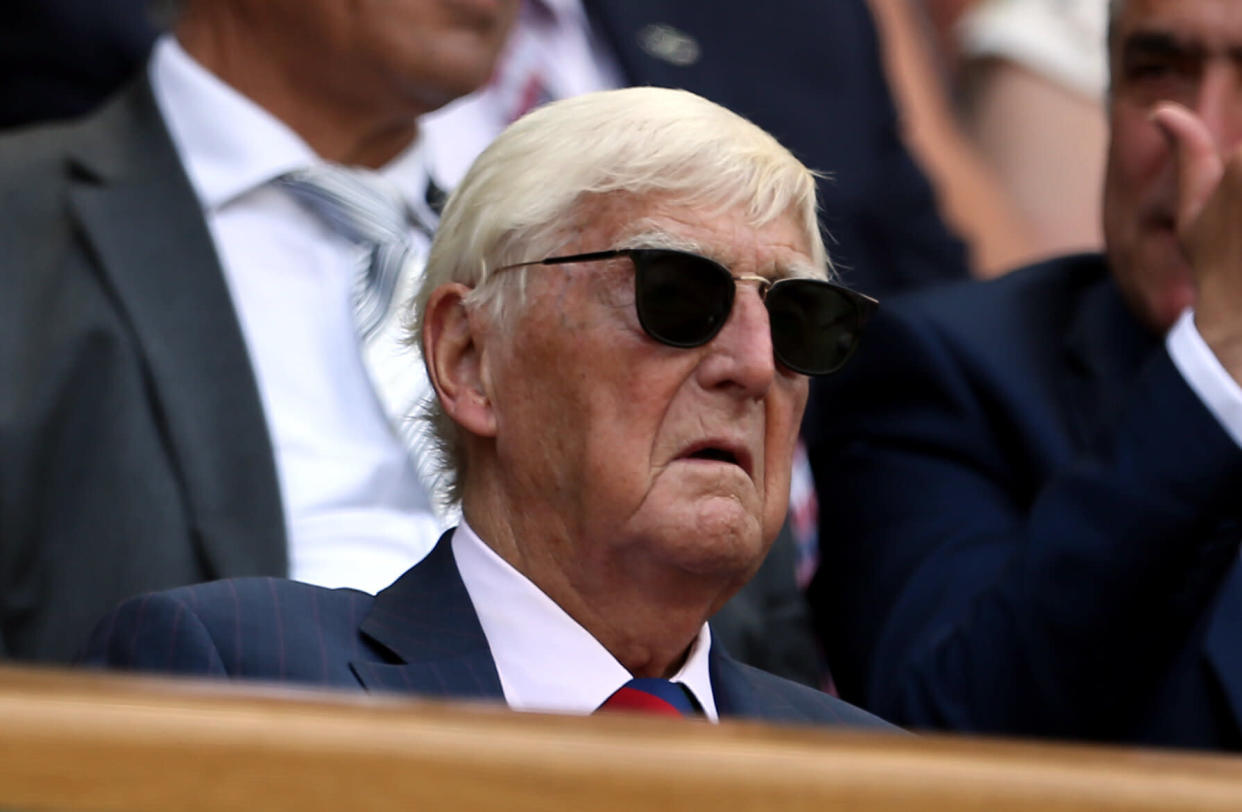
[654, 696]
[359, 204]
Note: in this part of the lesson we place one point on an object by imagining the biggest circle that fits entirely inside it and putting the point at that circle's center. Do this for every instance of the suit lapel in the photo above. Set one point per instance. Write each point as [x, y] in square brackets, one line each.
[1106, 348]
[426, 621]
[1223, 651]
[141, 218]
[738, 696]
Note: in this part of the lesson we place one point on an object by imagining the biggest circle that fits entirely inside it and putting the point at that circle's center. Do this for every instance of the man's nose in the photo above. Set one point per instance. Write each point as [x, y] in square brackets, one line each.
[740, 356]
[1220, 103]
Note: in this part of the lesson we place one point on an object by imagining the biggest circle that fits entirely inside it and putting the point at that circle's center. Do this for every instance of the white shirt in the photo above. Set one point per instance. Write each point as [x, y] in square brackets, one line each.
[355, 510]
[1205, 375]
[545, 660]
[551, 38]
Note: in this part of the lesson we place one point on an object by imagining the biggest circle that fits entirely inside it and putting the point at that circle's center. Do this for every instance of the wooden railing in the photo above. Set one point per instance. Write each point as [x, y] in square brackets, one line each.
[77, 741]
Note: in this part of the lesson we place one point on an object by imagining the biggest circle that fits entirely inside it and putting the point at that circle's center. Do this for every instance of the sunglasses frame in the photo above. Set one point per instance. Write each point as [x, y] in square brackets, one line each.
[863, 305]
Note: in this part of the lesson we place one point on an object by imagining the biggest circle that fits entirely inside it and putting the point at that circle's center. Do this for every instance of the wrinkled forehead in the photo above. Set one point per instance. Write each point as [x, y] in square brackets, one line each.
[730, 235]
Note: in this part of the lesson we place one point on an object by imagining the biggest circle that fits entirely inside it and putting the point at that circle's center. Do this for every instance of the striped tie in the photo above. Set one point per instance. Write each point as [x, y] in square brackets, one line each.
[360, 206]
[367, 210]
[653, 696]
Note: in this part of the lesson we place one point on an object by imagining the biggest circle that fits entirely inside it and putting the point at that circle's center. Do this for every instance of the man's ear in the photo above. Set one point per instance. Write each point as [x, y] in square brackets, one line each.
[453, 344]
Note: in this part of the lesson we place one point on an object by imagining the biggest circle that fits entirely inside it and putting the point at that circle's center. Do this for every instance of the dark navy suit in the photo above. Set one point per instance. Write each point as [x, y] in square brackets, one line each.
[1029, 522]
[421, 635]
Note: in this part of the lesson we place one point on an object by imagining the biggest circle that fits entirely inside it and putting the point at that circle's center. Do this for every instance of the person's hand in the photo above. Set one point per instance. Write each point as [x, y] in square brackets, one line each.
[1209, 225]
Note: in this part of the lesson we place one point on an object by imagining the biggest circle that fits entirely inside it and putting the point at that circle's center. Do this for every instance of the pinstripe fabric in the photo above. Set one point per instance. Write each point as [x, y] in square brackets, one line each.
[421, 636]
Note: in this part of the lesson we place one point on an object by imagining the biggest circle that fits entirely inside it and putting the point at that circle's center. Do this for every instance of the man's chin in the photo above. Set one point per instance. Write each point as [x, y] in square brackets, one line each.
[1167, 297]
[1159, 283]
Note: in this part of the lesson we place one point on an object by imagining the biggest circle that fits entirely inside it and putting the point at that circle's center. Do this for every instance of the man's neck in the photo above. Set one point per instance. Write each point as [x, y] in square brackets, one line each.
[338, 129]
[646, 616]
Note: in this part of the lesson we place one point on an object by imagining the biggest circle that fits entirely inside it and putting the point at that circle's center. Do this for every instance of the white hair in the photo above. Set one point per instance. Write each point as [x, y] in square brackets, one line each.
[518, 200]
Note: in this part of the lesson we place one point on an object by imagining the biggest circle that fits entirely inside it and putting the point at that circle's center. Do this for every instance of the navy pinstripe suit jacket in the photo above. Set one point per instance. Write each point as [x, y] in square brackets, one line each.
[420, 635]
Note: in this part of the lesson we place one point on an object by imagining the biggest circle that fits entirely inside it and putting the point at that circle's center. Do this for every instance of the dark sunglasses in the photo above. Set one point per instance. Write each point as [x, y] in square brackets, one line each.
[684, 299]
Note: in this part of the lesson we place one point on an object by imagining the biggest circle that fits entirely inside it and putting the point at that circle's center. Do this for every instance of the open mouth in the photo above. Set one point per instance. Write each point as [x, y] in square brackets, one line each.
[716, 452]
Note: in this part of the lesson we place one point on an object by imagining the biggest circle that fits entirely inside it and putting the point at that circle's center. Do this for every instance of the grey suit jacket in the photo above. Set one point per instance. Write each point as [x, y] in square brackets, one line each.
[133, 449]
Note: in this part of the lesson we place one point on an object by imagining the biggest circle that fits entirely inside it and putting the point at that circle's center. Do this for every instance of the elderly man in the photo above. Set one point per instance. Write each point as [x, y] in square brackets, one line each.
[198, 334]
[1033, 486]
[875, 202]
[620, 310]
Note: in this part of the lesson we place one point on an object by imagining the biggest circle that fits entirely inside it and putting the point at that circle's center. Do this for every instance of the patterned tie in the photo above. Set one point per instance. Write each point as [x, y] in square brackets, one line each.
[653, 696]
[362, 207]
[366, 209]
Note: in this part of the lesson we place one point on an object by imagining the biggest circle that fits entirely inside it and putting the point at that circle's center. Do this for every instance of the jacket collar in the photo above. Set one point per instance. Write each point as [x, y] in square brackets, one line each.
[136, 210]
[1224, 654]
[1106, 347]
[427, 624]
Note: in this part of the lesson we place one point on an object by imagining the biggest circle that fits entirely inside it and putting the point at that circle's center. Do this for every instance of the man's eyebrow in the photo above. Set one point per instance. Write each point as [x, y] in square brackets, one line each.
[656, 238]
[1160, 43]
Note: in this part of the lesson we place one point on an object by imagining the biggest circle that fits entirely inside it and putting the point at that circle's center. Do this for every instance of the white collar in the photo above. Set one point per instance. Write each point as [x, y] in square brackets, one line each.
[565, 12]
[230, 145]
[546, 660]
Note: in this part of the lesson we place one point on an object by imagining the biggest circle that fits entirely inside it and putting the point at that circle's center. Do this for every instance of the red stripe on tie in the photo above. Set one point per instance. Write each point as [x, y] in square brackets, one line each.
[632, 700]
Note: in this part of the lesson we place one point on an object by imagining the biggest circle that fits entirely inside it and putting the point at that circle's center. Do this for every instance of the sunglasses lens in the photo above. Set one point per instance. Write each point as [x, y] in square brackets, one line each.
[815, 326]
[682, 300]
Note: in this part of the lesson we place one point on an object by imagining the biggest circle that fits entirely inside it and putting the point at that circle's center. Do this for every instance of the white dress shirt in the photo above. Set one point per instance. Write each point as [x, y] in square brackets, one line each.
[1205, 375]
[355, 509]
[546, 661]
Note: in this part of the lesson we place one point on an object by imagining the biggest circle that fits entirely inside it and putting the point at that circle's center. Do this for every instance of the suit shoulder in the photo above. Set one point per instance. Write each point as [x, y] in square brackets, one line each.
[124, 136]
[224, 600]
[986, 327]
[959, 349]
[806, 704]
[39, 151]
[1039, 290]
[257, 628]
[36, 174]
[251, 588]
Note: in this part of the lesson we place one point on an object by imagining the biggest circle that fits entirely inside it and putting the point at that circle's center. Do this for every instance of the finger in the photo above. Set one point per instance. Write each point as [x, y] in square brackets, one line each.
[1199, 166]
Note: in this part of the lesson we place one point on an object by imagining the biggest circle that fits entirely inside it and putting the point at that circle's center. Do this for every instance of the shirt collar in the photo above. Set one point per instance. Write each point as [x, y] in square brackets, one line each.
[230, 145]
[564, 12]
[545, 659]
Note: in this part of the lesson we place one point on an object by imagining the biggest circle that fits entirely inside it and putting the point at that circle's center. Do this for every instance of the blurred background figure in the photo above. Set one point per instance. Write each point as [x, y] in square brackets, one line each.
[1032, 482]
[810, 73]
[1033, 76]
[60, 58]
[1002, 102]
